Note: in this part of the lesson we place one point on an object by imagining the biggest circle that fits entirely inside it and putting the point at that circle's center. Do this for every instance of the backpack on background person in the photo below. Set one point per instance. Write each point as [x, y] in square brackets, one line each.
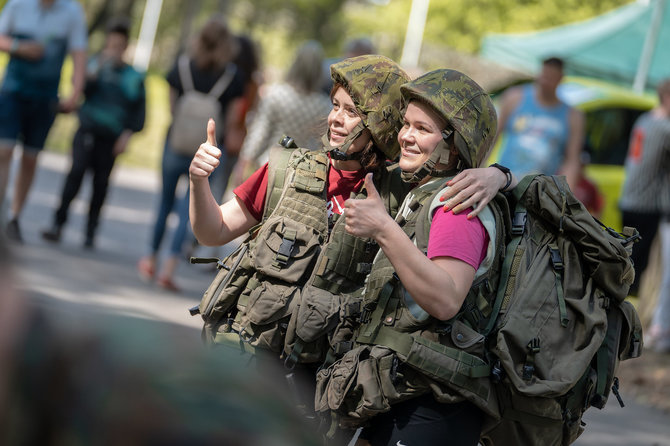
[194, 108]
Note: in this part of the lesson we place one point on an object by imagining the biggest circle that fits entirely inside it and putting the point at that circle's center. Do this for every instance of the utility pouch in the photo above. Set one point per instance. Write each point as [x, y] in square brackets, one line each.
[285, 249]
[263, 312]
[224, 290]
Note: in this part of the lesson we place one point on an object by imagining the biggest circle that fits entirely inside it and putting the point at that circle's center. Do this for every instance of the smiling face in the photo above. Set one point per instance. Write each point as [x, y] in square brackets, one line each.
[342, 120]
[419, 135]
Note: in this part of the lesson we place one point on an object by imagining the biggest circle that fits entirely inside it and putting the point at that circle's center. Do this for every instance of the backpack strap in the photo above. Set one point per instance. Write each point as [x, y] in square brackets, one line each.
[184, 71]
[224, 81]
[511, 263]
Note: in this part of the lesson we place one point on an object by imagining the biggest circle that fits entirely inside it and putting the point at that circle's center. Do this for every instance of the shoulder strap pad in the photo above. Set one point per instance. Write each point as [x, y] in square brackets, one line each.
[277, 166]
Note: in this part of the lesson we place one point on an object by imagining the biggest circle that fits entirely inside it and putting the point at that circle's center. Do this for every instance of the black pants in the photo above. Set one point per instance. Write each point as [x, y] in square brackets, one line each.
[647, 225]
[89, 151]
[423, 421]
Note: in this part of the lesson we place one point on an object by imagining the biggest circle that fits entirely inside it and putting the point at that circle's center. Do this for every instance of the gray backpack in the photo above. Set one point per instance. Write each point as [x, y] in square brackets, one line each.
[194, 108]
[561, 323]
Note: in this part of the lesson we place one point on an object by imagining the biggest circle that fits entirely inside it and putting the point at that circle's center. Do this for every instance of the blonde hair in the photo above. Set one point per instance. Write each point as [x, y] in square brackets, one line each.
[214, 46]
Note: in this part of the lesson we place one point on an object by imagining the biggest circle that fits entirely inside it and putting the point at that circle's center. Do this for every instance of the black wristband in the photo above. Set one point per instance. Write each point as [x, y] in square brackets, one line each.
[507, 173]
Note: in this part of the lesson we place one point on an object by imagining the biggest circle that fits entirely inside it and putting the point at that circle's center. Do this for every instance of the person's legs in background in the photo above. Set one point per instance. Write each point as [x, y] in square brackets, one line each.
[82, 152]
[173, 166]
[647, 226]
[659, 332]
[10, 128]
[103, 163]
[36, 119]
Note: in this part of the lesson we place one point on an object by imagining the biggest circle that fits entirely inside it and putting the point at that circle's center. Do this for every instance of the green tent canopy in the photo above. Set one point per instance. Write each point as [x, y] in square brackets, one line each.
[613, 46]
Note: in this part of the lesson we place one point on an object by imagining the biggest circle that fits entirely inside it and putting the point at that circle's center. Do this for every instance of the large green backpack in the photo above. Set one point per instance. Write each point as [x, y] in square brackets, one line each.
[560, 321]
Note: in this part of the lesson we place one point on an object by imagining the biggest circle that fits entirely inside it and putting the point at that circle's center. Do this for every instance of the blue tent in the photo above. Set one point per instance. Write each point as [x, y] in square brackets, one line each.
[625, 43]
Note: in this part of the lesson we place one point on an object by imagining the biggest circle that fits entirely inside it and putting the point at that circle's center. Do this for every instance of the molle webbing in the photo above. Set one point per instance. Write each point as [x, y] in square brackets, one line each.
[310, 175]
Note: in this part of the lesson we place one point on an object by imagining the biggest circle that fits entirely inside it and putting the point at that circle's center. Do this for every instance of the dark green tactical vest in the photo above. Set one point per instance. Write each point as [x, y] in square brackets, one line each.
[291, 286]
[401, 351]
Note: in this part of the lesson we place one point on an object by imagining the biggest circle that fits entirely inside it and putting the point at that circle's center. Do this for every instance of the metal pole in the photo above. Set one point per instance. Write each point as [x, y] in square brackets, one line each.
[145, 43]
[414, 34]
[649, 46]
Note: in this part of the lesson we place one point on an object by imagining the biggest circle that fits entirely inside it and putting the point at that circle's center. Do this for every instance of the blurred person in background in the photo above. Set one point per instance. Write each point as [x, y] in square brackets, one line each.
[358, 46]
[37, 34]
[295, 107]
[212, 50]
[645, 197]
[241, 111]
[542, 134]
[586, 190]
[113, 110]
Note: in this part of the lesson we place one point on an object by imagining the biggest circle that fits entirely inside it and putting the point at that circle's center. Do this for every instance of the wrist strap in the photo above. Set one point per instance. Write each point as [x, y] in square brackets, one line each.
[507, 173]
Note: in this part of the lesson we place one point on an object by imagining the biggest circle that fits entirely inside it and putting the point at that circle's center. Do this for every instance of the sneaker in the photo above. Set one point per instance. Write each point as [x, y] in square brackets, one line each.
[52, 234]
[168, 284]
[146, 269]
[13, 231]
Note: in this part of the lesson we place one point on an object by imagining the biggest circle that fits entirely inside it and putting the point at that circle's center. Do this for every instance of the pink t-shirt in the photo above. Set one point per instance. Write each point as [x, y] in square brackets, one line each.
[456, 236]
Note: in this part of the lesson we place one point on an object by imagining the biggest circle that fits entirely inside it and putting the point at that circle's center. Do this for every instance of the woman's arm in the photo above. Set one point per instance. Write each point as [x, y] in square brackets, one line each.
[439, 285]
[213, 224]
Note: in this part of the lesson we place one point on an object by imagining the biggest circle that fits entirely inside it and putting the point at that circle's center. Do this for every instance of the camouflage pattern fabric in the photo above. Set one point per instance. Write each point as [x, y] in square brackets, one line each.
[373, 82]
[463, 104]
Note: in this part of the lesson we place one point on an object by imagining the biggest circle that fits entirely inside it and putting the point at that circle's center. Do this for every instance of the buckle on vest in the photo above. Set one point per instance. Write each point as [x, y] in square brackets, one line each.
[367, 312]
[518, 223]
[363, 268]
[284, 252]
[352, 309]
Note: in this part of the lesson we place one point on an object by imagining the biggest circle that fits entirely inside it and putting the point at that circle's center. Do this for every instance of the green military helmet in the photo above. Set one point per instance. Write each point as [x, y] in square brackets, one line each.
[464, 105]
[373, 82]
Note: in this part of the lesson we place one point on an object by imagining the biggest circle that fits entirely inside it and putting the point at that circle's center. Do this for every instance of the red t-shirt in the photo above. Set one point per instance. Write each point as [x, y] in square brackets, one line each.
[341, 183]
[456, 236]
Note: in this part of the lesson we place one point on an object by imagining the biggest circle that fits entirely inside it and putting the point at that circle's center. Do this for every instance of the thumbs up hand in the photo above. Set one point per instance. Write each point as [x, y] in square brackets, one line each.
[207, 157]
[366, 217]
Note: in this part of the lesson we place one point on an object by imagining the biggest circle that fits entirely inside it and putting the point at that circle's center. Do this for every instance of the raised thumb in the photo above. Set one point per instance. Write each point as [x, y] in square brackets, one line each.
[370, 186]
[211, 132]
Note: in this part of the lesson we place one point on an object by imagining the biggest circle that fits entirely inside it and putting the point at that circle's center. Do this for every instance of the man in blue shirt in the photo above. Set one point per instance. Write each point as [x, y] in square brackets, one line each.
[113, 110]
[37, 34]
[542, 134]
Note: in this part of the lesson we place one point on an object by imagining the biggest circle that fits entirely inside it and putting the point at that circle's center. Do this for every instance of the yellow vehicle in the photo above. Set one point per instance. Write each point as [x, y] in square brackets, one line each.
[611, 111]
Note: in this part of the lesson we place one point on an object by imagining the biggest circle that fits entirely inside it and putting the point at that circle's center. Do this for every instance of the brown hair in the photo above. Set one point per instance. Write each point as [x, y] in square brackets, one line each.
[372, 158]
[214, 46]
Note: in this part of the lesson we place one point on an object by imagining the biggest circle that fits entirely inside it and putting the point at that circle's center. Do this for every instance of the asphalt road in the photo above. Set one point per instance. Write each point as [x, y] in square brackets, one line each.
[70, 282]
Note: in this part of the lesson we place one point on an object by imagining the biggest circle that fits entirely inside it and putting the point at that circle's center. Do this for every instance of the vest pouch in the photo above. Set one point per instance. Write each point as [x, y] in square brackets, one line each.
[352, 386]
[313, 318]
[227, 285]
[263, 316]
[285, 249]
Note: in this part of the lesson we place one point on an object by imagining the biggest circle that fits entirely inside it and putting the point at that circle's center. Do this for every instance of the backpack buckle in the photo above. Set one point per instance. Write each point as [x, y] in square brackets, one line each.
[556, 259]
[518, 223]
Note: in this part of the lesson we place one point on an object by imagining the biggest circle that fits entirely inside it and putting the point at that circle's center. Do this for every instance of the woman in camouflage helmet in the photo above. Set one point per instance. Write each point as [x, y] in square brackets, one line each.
[419, 283]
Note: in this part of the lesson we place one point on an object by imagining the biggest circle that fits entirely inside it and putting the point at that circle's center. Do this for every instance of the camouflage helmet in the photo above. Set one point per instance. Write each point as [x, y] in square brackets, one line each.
[373, 82]
[464, 105]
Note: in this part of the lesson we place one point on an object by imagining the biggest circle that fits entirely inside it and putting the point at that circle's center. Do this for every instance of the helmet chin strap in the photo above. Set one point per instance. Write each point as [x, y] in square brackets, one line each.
[340, 152]
[441, 155]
